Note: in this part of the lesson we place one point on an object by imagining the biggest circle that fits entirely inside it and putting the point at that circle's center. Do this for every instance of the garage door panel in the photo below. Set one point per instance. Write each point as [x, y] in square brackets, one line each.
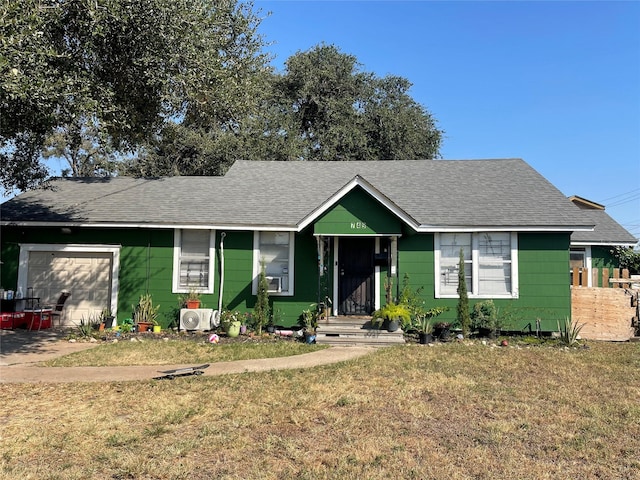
[58, 278]
[42, 259]
[38, 275]
[87, 275]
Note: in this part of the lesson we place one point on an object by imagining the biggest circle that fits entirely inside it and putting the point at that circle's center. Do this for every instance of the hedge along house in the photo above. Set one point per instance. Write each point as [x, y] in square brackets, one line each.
[324, 231]
[592, 249]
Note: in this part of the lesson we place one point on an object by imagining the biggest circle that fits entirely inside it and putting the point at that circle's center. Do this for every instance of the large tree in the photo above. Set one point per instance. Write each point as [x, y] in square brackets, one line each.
[336, 111]
[121, 70]
[322, 107]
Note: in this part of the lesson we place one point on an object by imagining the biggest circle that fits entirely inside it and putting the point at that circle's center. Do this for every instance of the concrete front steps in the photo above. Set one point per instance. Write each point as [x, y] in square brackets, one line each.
[355, 330]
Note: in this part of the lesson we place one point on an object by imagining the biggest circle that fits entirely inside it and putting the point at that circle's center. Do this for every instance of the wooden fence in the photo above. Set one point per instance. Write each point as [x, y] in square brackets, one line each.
[609, 309]
[605, 277]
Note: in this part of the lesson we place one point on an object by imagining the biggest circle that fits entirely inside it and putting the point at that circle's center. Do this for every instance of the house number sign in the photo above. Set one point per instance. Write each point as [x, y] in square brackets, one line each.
[358, 226]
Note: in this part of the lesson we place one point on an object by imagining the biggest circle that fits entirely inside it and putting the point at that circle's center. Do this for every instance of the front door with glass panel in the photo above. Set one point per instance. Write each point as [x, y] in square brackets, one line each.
[356, 275]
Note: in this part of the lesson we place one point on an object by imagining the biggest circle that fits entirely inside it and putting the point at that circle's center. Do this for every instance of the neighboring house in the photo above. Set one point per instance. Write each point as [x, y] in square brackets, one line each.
[324, 230]
[592, 249]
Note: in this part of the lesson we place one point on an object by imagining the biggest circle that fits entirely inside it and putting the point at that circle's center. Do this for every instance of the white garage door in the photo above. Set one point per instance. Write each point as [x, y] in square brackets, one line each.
[87, 275]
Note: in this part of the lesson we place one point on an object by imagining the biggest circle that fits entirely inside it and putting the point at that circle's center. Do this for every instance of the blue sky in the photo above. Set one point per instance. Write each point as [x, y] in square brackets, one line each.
[554, 83]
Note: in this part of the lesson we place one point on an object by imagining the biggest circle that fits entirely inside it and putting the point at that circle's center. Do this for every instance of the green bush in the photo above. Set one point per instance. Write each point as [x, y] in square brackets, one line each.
[484, 315]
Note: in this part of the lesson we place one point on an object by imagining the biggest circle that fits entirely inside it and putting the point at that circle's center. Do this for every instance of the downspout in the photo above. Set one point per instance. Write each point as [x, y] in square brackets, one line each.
[216, 320]
[320, 266]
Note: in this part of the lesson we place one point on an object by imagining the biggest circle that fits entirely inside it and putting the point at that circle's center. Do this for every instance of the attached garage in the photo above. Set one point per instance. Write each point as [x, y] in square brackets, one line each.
[88, 273]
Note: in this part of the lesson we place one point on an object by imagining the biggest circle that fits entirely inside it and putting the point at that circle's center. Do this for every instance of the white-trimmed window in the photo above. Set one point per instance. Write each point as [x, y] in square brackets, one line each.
[275, 250]
[193, 256]
[490, 261]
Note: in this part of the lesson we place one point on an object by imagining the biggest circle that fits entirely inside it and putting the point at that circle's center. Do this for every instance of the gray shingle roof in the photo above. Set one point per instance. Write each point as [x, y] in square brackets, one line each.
[437, 193]
[606, 232]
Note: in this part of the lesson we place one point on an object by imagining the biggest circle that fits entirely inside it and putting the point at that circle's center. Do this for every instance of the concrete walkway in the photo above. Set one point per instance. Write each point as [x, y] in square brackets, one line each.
[21, 350]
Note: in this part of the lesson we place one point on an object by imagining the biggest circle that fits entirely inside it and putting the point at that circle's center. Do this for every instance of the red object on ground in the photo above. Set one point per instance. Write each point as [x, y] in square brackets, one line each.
[38, 319]
[504, 343]
[11, 320]
[6, 320]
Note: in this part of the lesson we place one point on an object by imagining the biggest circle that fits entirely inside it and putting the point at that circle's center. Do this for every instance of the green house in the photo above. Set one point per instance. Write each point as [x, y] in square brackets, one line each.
[326, 232]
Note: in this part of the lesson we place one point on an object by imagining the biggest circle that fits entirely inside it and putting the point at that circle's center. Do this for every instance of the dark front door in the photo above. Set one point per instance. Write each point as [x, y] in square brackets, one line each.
[356, 275]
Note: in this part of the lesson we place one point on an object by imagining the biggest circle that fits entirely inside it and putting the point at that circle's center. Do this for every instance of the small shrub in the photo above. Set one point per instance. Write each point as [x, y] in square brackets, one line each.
[569, 331]
[87, 326]
[484, 315]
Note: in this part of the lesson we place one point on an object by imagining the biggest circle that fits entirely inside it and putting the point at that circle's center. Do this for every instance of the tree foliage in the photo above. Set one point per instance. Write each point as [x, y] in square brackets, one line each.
[627, 258]
[322, 107]
[329, 109]
[123, 68]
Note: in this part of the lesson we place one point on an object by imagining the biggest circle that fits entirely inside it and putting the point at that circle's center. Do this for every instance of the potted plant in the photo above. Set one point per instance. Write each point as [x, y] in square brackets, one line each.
[309, 323]
[424, 326]
[423, 323]
[391, 316]
[107, 318]
[231, 322]
[191, 299]
[441, 331]
[145, 314]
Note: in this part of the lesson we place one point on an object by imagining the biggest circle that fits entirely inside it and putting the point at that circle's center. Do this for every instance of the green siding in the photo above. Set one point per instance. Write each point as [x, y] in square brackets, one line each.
[357, 214]
[238, 271]
[544, 280]
[601, 257]
[9, 255]
[416, 261]
[544, 290]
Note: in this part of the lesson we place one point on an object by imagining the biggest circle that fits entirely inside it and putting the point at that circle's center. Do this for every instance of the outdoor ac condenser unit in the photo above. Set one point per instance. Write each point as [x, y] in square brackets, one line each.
[196, 318]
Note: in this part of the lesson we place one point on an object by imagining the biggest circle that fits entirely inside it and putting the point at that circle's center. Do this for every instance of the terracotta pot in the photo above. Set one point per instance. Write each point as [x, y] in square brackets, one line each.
[144, 326]
[193, 303]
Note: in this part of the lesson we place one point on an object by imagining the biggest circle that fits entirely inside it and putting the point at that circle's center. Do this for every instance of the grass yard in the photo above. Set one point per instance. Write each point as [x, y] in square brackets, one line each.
[452, 411]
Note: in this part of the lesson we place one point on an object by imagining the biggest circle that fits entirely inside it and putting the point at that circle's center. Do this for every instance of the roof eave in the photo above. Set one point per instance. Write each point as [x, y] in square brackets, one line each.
[503, 228]
[184, 226]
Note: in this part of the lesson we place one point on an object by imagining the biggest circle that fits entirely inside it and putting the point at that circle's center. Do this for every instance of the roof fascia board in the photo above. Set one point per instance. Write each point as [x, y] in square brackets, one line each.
[504, 228]
[603, 244]
[357, 181]
[275, 228]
